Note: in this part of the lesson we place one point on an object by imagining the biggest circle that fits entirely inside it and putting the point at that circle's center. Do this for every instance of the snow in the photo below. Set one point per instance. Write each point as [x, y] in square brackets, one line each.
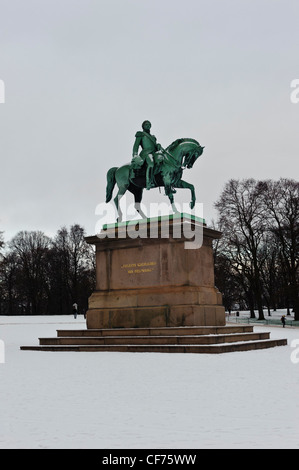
[144, 401]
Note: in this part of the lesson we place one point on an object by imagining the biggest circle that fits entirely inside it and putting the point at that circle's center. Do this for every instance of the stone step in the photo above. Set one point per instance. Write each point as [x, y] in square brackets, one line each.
[164, 331]
[194, 349]
[203, 339]
[154, 340]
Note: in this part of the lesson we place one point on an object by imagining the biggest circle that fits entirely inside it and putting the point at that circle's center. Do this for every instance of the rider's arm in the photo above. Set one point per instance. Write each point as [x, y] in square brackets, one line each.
[137, 143]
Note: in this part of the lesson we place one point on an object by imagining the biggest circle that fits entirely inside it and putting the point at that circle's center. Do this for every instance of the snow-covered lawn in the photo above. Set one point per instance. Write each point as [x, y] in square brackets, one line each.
[144, 401]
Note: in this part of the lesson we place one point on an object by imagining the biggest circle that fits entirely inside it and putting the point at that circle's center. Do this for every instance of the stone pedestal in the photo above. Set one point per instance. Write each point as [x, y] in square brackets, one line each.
[153, 275]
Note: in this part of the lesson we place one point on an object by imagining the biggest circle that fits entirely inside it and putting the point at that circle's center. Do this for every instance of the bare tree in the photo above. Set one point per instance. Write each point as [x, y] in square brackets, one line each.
[281, 200]
[72, 260]
[272, 274]
[243, 223]
[30, 251]
[10, 298]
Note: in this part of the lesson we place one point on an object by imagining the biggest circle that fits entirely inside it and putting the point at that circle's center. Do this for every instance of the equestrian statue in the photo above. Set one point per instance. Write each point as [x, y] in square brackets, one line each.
[153, 167]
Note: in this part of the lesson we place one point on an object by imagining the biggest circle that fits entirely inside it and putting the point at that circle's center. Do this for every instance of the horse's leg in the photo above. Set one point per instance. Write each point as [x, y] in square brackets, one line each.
[138, 192]
[169, 193]
[184, 185]
[117, 199]
[167, 178]
[122, 180]
[117, 205]
[174, 208]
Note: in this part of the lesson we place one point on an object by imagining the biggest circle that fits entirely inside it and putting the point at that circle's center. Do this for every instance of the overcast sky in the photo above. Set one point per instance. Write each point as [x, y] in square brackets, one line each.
[82, 75]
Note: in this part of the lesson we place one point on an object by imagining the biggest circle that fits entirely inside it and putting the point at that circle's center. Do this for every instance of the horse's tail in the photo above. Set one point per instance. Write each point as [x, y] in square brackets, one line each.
[111, 181]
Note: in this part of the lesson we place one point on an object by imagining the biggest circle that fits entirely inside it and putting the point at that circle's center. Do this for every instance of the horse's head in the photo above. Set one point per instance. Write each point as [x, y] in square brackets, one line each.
[185, 152]
[192, 155]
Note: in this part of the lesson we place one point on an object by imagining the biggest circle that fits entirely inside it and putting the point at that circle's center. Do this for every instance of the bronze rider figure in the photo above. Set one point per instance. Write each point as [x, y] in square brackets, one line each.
[149, 145]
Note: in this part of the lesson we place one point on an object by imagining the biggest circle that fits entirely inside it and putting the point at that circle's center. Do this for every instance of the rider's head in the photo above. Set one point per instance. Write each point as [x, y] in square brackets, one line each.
[146, 125]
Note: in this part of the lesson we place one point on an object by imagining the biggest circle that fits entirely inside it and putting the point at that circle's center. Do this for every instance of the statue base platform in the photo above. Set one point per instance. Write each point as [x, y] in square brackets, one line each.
[152, 273]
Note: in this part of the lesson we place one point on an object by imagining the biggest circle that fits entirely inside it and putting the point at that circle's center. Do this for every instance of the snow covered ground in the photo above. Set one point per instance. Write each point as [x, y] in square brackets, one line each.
[145, 401]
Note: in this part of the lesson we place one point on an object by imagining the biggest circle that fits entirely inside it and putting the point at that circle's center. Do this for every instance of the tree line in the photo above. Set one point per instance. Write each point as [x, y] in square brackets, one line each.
[40, 275]
[257, 258]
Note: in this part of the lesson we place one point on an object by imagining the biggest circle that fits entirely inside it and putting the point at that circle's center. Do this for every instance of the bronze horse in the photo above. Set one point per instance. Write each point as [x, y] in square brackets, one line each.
[169, 166]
